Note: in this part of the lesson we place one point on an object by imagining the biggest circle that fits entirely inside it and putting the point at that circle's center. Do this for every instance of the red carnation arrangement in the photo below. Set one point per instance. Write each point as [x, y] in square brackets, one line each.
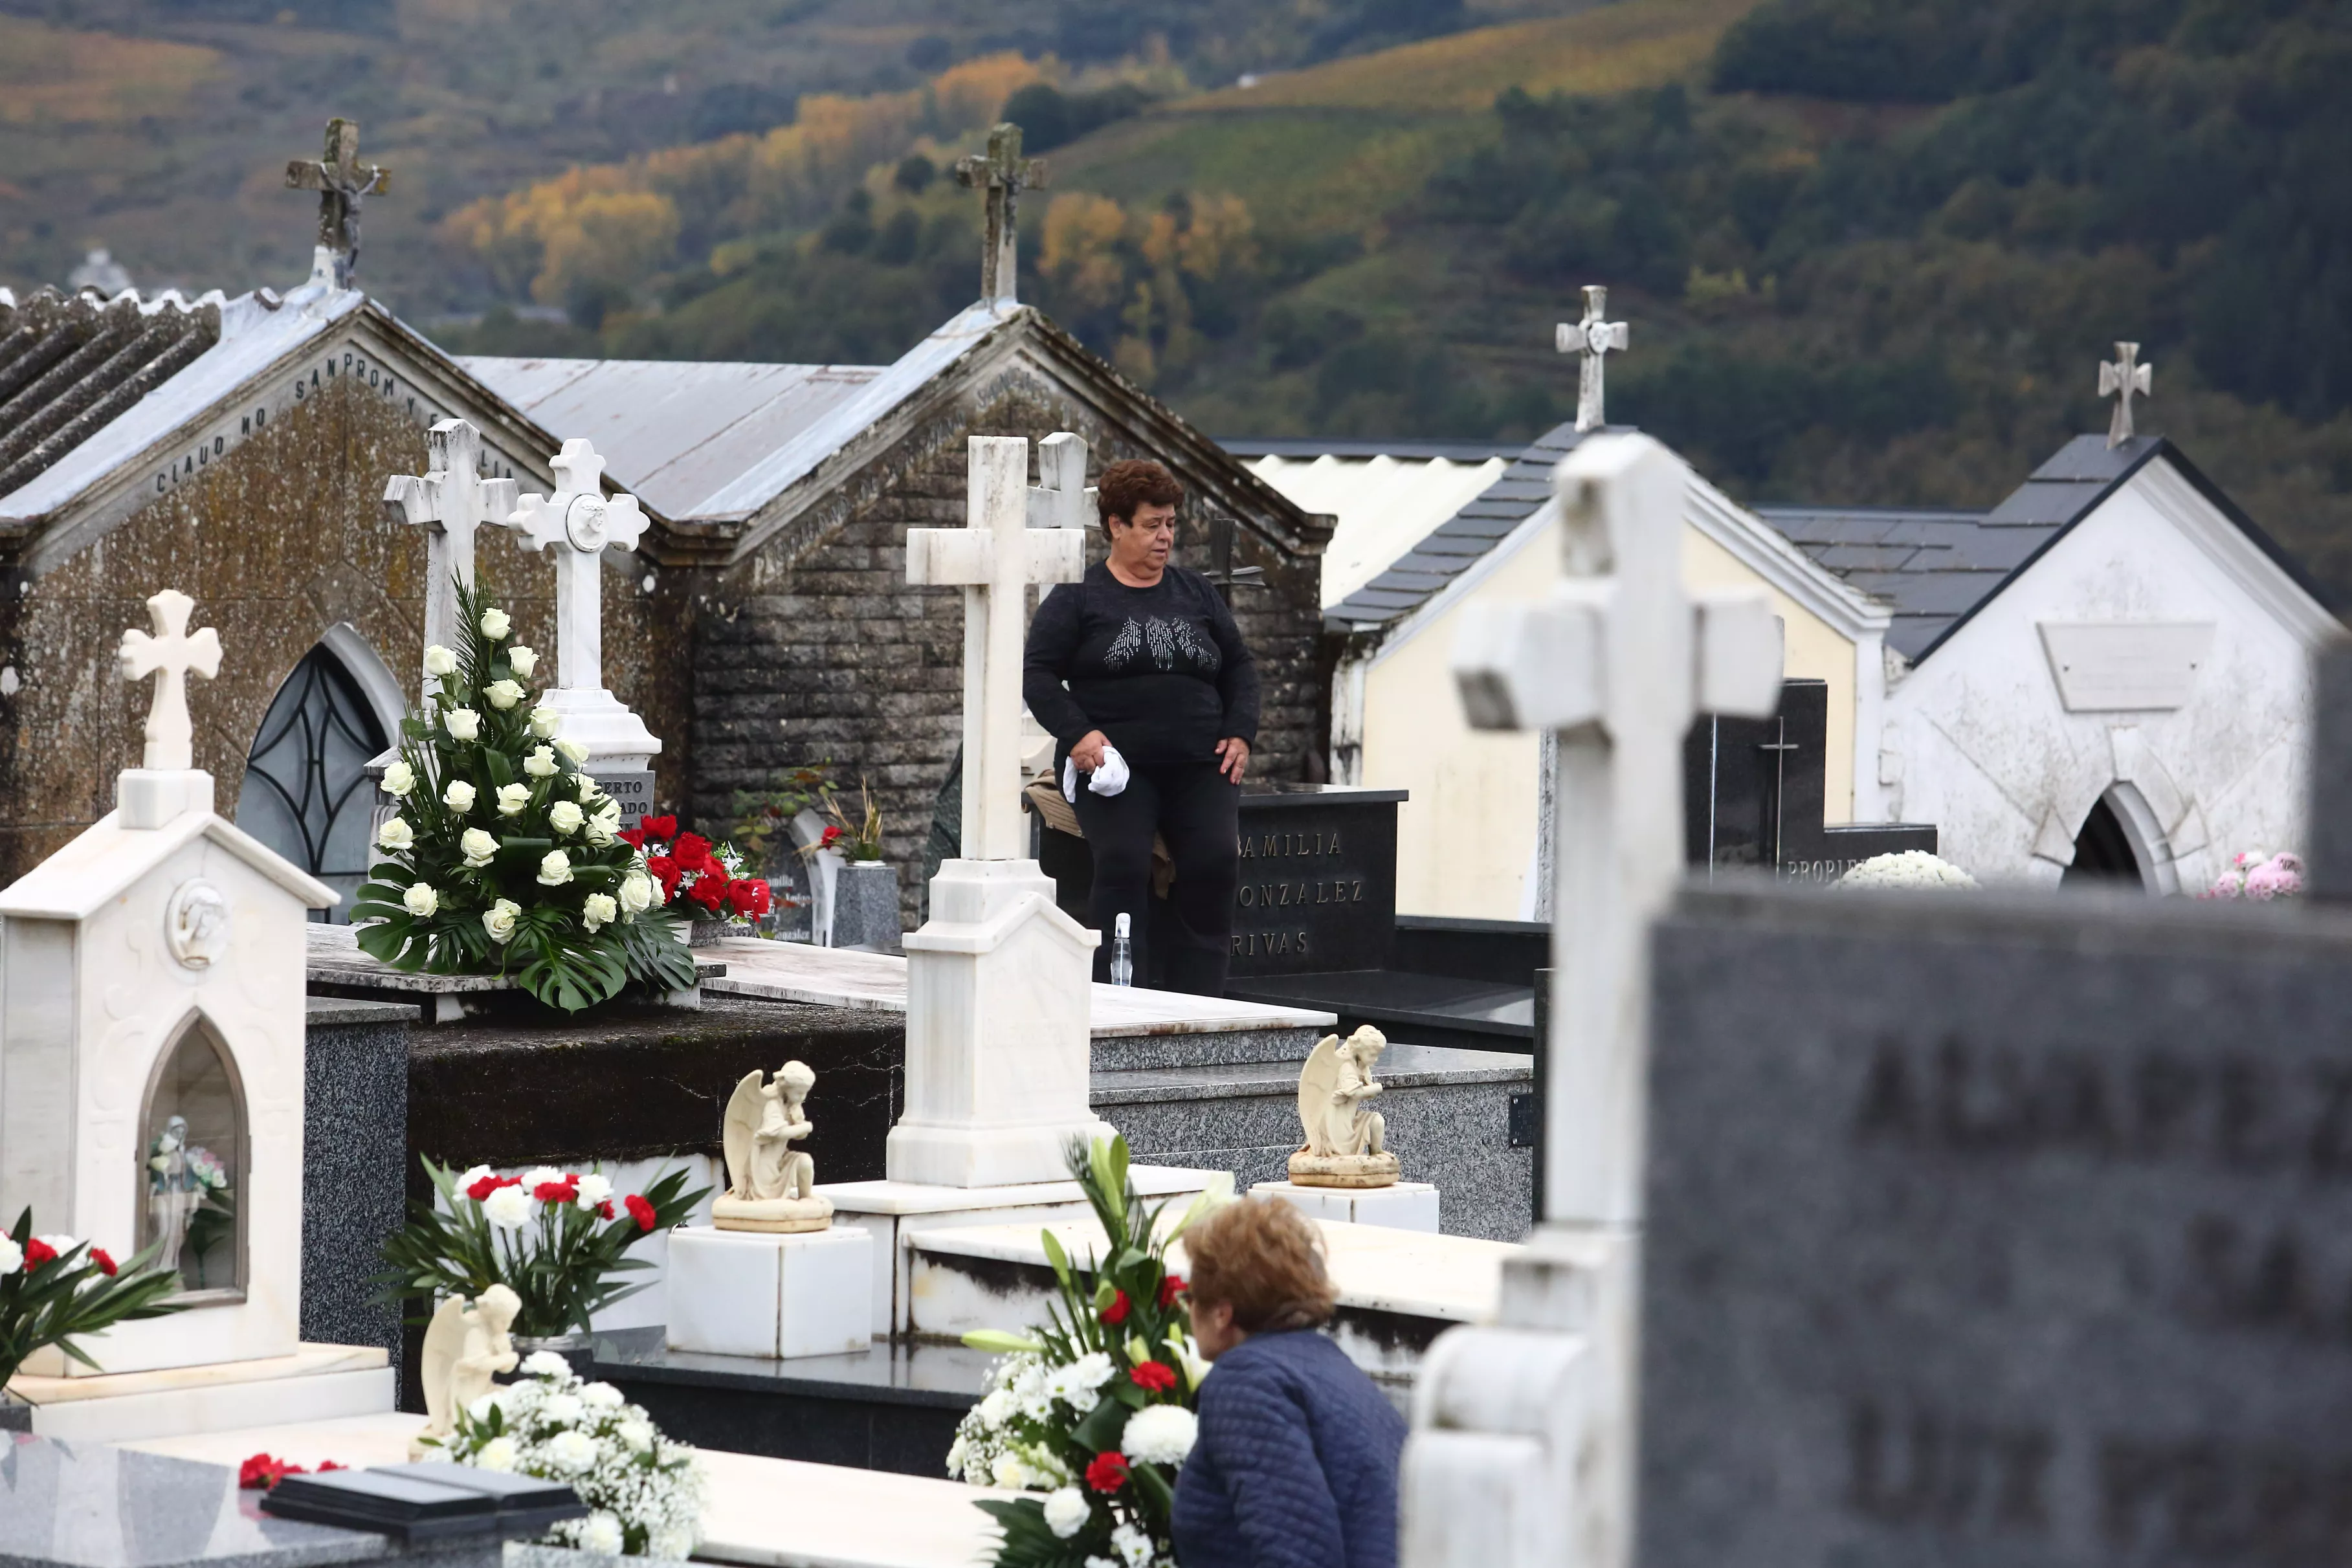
[1154, 1376]
[698, 879]
[1107, 1472]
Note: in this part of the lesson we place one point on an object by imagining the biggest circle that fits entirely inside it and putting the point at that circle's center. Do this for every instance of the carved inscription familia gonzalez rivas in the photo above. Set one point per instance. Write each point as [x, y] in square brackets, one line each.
[1285, 871]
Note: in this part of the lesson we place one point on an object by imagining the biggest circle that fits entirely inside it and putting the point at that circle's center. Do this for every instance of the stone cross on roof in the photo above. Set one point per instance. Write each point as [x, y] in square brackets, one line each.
[449, 502]
[2119, 380]
[1618, 662]
[994, 558]
[1004, 175]
[342, 182]
[581, 521]
[171, 654]
[1591, 339]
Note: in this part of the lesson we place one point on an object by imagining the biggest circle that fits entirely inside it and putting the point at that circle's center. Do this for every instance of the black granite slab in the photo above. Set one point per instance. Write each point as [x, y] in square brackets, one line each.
[641, 1082]
[891, 1407]
[1994, 1228]
[1407, 1005]
[1754, 794]
[90, 1505]
[354, 1160]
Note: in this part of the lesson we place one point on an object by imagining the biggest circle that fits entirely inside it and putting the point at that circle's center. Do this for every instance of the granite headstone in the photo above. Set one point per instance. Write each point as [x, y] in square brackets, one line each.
[1992, 1229]
[1755, 792]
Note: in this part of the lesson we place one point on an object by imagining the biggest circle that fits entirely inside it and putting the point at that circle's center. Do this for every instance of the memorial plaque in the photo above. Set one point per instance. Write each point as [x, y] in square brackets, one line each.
[1318, 880]
[1990, 1228]
[634, 788]
[1754, 793]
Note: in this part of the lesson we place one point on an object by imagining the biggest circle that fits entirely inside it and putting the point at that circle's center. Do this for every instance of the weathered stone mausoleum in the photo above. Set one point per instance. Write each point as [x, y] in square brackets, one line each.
[240, 449]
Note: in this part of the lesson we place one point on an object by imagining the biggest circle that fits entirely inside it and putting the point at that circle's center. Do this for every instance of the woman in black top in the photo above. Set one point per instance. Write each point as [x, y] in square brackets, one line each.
[1144, 657]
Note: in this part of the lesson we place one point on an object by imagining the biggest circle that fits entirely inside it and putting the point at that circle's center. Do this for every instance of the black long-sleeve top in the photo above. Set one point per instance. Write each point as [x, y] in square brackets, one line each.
[1161, 670]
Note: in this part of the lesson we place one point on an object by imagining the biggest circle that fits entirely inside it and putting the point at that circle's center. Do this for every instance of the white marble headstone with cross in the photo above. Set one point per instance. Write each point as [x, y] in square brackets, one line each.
[998, 1035]
[1521, 1451]
[451, 502]
[580, 522]
[152, 1022]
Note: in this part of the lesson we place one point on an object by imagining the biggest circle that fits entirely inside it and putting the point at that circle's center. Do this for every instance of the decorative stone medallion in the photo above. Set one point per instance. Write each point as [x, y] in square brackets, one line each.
[584, 523]
[195, 924]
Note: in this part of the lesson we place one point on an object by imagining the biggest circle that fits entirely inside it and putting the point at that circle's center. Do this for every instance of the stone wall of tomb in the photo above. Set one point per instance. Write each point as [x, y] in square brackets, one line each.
[816, 648]
[277, 541]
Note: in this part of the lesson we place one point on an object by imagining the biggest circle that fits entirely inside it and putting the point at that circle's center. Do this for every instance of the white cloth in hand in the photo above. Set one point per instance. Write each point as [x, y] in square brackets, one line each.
[1107, 780]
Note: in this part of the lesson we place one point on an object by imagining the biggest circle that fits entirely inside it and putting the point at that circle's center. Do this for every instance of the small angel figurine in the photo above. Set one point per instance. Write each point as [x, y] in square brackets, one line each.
[1346, 1139]
[465, 1347]
[770, 1186]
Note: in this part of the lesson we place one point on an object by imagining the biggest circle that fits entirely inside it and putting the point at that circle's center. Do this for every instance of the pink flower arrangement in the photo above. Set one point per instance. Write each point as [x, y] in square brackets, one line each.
[2254, 875]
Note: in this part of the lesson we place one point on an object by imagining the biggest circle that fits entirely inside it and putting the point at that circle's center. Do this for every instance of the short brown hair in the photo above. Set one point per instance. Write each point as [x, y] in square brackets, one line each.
[1260, 1257]
[1134, 482]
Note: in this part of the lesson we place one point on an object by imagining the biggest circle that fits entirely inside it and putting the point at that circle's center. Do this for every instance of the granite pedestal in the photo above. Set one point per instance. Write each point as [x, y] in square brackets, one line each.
[1400, 1205]
[738, 1293]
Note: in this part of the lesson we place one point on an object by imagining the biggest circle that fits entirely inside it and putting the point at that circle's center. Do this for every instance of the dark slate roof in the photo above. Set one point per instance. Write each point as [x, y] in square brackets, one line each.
[69, 364]
[1938, 568]
[1459, 543]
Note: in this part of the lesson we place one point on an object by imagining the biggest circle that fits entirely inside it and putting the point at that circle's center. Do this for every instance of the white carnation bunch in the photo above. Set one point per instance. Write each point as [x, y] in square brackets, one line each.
[644, 1492]
[1909, 869]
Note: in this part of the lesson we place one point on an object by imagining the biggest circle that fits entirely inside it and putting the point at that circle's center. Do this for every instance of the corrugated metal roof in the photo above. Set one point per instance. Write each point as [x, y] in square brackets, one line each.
[1447, 552]
[72, 364]
[674, 433]
[1385, 503]
[255, 330]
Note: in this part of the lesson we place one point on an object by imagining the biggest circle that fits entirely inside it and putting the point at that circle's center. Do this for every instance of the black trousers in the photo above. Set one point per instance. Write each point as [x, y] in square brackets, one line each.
[1198, 810]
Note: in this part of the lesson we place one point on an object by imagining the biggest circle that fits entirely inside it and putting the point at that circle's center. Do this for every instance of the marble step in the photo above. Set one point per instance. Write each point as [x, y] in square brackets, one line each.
[1399, 1290]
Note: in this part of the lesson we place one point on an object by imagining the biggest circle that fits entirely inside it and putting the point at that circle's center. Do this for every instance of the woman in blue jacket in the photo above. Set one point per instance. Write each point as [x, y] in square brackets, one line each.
[1296, 1464]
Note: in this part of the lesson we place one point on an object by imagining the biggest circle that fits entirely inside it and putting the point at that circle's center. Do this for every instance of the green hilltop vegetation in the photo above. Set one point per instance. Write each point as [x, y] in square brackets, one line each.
[1872, 250]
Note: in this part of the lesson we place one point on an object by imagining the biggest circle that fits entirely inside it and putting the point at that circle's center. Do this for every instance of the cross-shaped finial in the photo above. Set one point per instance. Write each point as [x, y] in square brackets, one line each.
[171, 653]
[1590, 340]
[581, 520]
[1004, 175]
[449, 501]
[2119, 380]
[342, 182]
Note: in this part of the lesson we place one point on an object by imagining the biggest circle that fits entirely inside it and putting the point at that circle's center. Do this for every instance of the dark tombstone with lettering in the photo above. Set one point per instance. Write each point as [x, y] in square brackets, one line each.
[1994, 1228]
[1318, 880]
[633, 788]
[1755, 790]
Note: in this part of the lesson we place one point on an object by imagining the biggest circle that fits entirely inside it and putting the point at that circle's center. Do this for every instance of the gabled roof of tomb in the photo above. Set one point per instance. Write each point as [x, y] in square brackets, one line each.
[95, 422]
[70, 364]
[105, 859]
[1938, 568]
[1449, 556]
[740, 452]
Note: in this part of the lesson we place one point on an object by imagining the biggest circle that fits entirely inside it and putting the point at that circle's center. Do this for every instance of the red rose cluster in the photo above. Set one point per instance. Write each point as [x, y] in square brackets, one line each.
[692, 879]
[261, 1472]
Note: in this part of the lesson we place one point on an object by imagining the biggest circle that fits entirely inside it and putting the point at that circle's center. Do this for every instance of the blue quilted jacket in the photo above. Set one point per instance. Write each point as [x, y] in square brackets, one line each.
[1296, 1466]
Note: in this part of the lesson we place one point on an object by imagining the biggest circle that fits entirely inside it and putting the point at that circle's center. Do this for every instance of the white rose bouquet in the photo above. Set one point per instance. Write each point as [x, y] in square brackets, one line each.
[1095, 1409]
[644, 1490]
[1909, 869]
[505, 857]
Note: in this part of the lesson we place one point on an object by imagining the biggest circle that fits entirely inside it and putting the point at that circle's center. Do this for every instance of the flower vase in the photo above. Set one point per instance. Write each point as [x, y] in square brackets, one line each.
[866, 906]
[708, 933]
[574, 1348]
[14, 1415]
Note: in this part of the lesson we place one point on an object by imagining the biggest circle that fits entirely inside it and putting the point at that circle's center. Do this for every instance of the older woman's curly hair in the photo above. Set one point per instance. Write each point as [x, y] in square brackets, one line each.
[1263, 1259]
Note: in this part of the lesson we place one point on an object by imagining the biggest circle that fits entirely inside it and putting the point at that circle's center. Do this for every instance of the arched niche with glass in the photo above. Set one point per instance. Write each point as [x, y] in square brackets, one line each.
[192, 1167]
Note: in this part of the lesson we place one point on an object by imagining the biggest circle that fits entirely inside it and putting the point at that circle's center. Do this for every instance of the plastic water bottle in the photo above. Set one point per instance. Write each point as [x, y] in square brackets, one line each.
[1122, 956]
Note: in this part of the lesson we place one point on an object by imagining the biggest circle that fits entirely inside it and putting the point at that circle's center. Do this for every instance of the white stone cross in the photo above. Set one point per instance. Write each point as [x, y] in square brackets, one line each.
[1591, 340]
[2119, 380]
[170, 656]
[994, 558]
[579, 521]
[449, 501]
[1618, 662]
